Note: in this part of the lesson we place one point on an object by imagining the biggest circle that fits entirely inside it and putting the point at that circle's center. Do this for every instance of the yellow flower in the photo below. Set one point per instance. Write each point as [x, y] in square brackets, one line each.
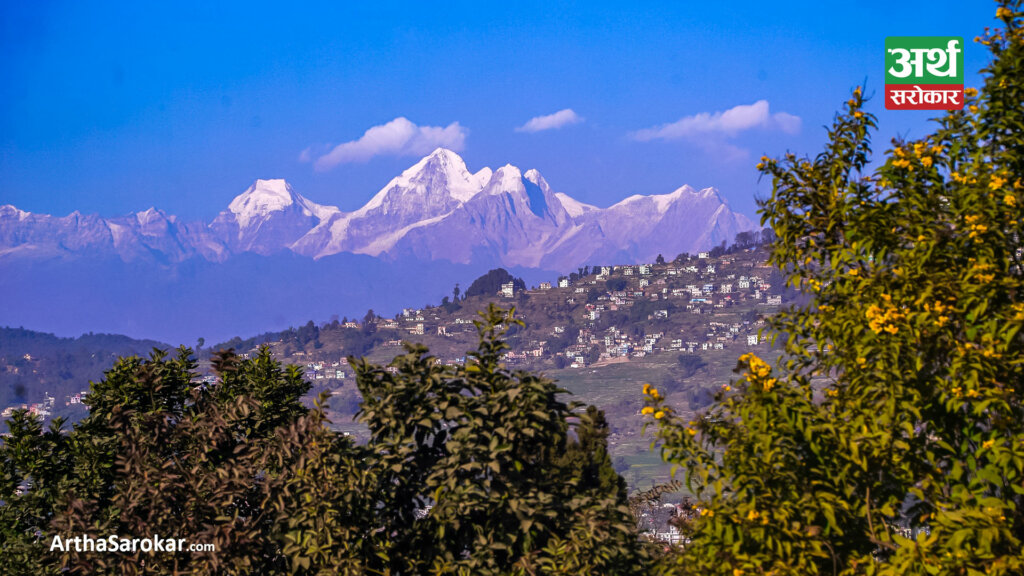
[937, 149]
[758, 367]
[691, 431]
[707, 512]
[918, 147]
[753, 515]
[737, 572]
[972, 393]
[1010, 200]
[647, 410]
[862, 361]
[764, 158]
[853, 272]
[957, 391]
[899, 152]
[971, 92]
[858, 114]
[647, 388]
[988, 444]
[942, 320]
[659, 415]
[726, 387]
[901, 163]
[996, 183]
[760, 166]
[1004, 12]
[926, 161]
[832, 393]
[973, 109]
[655, 394]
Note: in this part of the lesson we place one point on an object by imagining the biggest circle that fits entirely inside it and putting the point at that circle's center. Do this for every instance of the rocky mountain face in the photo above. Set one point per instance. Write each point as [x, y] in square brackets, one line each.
[437, 210]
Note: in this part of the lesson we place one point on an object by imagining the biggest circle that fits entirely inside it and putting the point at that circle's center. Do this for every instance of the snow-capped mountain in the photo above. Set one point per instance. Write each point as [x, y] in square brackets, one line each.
[435, 210]
[268, 218]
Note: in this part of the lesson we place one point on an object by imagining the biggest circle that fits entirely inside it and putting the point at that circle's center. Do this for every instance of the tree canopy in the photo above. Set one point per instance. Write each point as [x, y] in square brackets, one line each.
[889, 437]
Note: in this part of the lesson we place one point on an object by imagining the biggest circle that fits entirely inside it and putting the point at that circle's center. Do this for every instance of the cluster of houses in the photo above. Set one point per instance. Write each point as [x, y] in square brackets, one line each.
[44, 409]
[710, 287]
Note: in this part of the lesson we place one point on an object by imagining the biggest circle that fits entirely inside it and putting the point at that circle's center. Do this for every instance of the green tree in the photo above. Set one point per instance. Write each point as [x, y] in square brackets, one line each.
[889, 437]
[479, 473]
[490, 283]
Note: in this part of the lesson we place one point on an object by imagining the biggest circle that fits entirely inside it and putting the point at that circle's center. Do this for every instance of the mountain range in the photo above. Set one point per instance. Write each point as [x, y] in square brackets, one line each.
[274, 259]
[435, 210]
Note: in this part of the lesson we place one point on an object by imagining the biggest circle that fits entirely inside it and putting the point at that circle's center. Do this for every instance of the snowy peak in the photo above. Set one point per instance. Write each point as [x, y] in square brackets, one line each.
[508, 178]
[532, 175]
[266, 197]
[441, 173]
[574, 207]
[483, 176]
[260, 199]
[661, 203]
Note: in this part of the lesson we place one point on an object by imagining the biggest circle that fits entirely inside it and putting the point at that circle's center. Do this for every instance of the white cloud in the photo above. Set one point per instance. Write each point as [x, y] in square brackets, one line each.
[723, 124]
[551, 121]
[788, 123]
[399, 137]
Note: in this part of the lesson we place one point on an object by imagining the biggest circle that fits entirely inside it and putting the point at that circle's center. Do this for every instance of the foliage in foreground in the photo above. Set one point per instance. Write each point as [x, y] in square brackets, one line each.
[889, 438]
[470, 469]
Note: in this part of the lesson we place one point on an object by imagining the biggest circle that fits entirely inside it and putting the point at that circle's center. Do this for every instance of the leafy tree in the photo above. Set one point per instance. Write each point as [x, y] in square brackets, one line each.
[690, 364]
[479, 473]
[616, 284]
[889, 437]
[490, 283]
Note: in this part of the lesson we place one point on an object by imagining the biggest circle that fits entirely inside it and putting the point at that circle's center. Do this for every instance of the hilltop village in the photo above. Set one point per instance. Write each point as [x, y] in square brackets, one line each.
[596, 316]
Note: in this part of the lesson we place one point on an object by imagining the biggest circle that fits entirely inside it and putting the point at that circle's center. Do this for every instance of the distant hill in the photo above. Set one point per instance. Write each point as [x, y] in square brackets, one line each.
[34, 364]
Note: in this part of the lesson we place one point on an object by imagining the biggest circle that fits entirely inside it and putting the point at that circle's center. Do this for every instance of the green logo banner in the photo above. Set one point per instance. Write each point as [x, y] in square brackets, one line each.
[924, 60]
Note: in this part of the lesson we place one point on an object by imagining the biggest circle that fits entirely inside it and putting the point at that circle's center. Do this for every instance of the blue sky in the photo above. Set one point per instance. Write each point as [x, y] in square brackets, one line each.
[114, 107]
